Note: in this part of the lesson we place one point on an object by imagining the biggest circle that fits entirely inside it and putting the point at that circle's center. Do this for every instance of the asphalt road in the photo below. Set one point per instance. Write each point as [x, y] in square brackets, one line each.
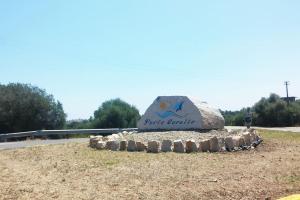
[287, 129]
[30, 143]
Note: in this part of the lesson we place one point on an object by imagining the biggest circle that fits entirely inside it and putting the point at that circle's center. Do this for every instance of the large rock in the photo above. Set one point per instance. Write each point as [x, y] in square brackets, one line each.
[204, 146]
[214, 145]
[131, 145]
[190, 146]
[179, 146]
[180, 113]
[166, 146]
[153, 146]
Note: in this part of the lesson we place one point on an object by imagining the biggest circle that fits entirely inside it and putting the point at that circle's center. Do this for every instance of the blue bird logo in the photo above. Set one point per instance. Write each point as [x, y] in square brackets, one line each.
[171, 110]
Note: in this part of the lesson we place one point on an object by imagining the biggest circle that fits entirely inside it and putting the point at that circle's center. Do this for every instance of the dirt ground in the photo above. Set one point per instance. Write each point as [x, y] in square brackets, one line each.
[75, 171]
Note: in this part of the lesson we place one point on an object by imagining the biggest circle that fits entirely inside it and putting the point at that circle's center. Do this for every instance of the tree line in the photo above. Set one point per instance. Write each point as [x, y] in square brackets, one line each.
[268, 112]
[114, 113]
[24, 107]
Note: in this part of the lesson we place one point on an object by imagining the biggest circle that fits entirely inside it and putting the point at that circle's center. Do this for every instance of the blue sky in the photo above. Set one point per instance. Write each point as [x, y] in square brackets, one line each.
[228, 53]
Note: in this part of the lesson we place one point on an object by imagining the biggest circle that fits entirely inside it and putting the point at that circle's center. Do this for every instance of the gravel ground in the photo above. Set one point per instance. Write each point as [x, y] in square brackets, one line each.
[176, 135]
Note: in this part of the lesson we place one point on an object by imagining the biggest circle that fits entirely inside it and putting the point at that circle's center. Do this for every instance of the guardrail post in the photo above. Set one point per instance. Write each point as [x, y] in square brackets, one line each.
[40, 134]
[32, 136]
[3, 138]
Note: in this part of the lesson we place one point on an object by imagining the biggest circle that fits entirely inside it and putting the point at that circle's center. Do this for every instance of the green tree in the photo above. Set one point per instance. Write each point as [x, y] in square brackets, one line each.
[270, 112]
[24, 107]
[274, 111]
[115, 114]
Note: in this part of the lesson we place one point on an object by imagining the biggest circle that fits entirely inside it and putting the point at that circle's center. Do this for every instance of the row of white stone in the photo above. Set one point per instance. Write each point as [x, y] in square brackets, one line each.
[214, 144]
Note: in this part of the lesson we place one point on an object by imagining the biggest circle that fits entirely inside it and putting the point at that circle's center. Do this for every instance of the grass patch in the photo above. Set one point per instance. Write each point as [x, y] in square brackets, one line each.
[280, 135]
[293, 179]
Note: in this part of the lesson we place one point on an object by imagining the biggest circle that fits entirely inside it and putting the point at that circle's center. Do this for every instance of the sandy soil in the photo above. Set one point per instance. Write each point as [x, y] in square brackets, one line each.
[75, 171]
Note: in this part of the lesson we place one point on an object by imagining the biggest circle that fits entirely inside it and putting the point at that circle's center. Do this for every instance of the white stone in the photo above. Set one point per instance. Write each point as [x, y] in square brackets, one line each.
[236, 141]
[166, 146]
[153, 146]
[140, 146]
[123, 145]
[120, 135]
[222, 146]
[247, 138]
[190, 146]
[180, 113]
[112, 145]
[229, 143]
[204, 146]
[113, 137]
[179, 146]
[252, 137]
[242, 141]
[131, 145]
[100, 137]
[94, 140]
[214, 145]
[100, 145]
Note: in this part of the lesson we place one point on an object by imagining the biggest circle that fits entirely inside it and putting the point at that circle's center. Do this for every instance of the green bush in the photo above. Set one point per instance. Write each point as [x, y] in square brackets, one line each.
[115, 114]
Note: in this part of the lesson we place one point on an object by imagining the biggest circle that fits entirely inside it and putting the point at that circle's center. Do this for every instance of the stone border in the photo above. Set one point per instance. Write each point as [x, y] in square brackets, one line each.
[115, 142]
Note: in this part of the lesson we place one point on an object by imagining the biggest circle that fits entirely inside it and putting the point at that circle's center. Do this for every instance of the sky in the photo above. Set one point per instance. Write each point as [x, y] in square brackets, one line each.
[227, 53]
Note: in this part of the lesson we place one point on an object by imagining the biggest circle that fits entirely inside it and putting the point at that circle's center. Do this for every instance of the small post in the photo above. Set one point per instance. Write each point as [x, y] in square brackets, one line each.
[248, 118]
[286, 83]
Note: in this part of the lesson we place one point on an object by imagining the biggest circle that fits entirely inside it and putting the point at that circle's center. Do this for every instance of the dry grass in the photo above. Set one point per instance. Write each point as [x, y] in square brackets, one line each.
[74, 171]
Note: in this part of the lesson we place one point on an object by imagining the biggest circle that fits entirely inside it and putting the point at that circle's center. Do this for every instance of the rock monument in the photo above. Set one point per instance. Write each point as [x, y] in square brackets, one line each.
[180, 113]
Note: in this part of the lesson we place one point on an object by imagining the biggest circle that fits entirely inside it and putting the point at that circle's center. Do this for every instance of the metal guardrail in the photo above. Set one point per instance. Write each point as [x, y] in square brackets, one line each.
[4, 137]
[40, 133]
